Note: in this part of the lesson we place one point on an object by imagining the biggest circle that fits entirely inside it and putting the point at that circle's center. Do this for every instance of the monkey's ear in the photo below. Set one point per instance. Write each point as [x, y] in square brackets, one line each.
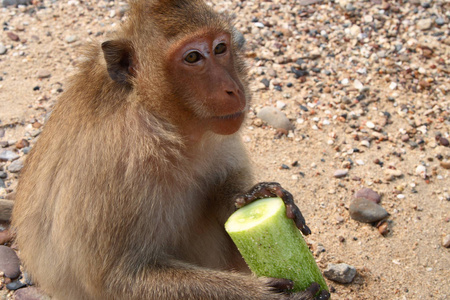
[119, 60]
[238, 37]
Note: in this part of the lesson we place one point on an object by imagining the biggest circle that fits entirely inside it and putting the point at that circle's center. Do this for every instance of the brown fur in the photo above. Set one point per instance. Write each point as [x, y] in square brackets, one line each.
[115, 202]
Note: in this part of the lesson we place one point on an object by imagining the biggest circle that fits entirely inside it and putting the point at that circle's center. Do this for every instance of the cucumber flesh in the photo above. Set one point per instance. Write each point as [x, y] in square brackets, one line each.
[271, 244]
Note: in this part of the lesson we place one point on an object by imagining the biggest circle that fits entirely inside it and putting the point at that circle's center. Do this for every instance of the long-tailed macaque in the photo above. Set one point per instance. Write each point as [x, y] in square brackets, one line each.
[126, 193]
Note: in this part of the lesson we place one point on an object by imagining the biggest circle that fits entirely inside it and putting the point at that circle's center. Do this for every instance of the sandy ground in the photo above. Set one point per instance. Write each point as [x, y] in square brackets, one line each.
[410, 261]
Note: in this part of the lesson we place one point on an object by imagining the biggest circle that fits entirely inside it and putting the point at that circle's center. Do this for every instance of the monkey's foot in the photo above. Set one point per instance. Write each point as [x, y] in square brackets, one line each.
[274, 189]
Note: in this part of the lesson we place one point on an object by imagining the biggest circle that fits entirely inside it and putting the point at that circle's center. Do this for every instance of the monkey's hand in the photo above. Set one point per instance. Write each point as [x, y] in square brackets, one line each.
[282, 285]
[274, 189]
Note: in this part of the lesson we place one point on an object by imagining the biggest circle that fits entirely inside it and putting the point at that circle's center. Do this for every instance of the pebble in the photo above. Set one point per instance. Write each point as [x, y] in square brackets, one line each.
[42, 74]
[368, 194]
[3, 49]
[71, 39]
[391, 174]
[5, 236]
[22, 144]
[425, 24]
[29, 293]
[366, 211]
[15, 285]
[281, 105]
[443, 141]
[8, 155]
[6, 3]
[383, 229]
[421, 171]
[9, 262]
[446, 241]
[340, 173]
[445, 164]
[439, 21]
[365, 143]
[16, 166]
[370, 125]
[342, 273]
[12, 36]
[275, 118]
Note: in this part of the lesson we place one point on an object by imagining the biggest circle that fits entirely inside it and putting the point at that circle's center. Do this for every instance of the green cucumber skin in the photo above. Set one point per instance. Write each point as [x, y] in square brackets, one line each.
[276, 248]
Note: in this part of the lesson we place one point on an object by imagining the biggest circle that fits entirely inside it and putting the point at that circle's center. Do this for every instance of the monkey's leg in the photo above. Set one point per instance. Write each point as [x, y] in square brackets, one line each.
[274, 189]
[178, 280]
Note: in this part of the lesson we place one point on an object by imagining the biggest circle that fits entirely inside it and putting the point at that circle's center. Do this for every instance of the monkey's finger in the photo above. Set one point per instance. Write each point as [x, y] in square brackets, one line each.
[293, 212]
[279, 284]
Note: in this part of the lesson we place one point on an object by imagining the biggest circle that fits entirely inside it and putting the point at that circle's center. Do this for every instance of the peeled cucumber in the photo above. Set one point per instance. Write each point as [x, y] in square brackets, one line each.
[271, 244]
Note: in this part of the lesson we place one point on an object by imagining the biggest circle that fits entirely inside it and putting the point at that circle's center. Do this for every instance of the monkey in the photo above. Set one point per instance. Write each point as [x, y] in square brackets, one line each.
[127, 190]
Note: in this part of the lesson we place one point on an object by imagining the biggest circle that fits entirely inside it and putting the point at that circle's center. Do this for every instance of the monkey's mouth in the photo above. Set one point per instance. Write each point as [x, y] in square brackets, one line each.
[230, 117]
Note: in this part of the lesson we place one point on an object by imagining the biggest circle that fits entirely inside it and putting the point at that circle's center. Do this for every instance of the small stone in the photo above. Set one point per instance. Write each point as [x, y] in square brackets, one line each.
[5, 236]
[340, 173]
[26, 150]
[383, 229]
[365, 143]
[370, 125]
[2, 184]
[36, 125]
[405, 138]
[71, 39]
[439, 21]
[368, 194]
[421, 171]
[275, 118]
[281, 105]
[42, 74]
[392, 173]
[22, 144]
[443, 141]
[393, 85]
[355, 30]
[358, 85]
[16, 166]
[366, 211]
[29, 293]
[341, 273]
[8, 155]
[9, 262]
[425, 24]
[15, 285]
[3, 49]
[368, 19]
[446, 241]
[13, 37]
[445, 164]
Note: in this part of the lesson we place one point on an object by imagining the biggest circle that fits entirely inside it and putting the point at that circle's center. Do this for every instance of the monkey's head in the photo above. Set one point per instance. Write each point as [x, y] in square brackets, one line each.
[184, 62]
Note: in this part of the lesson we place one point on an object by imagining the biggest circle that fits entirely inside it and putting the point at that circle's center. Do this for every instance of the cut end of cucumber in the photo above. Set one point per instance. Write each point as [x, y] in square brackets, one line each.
[253, 214]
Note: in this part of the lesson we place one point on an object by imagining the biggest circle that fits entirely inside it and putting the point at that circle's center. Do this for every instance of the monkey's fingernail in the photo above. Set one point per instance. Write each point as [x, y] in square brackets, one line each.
[239, 202]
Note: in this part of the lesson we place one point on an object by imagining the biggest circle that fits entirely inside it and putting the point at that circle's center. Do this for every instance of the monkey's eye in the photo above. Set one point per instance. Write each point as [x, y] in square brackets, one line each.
[220, 48]
[193, 57]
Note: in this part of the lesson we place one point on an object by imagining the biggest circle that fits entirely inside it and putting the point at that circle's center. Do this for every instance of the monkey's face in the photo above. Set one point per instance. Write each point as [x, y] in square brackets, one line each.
[202, 70]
